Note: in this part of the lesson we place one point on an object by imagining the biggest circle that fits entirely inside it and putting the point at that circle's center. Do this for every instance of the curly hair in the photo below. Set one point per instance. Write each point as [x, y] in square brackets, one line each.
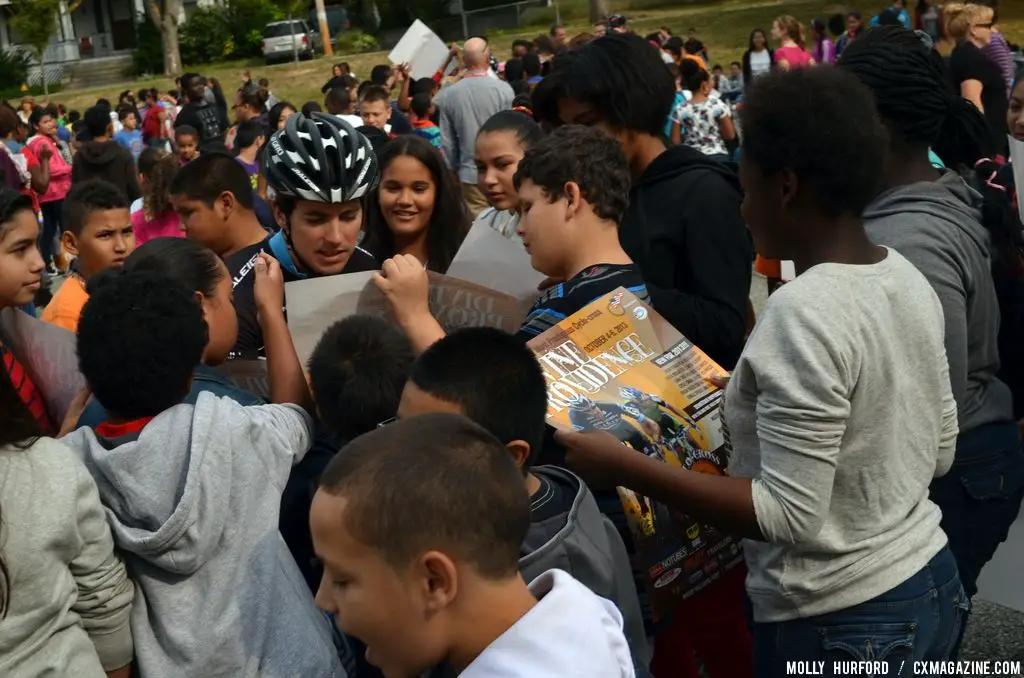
[156, 193]
[585, 156]
[140, 337]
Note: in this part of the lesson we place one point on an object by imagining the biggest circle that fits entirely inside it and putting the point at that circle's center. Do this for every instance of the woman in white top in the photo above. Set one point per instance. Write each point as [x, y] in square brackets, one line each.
[500, 145]
[65, 597]
[840, 411]
[759, 58]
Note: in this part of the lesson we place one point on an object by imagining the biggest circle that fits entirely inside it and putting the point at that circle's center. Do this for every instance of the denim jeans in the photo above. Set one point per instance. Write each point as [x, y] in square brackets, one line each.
[980, 497]
[919, 620]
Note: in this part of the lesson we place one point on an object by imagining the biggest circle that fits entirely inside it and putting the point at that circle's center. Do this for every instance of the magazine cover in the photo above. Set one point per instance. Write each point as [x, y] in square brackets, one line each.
[618, 366]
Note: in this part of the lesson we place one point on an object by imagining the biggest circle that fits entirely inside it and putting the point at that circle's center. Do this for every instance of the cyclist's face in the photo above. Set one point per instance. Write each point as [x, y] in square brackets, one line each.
[324, 235]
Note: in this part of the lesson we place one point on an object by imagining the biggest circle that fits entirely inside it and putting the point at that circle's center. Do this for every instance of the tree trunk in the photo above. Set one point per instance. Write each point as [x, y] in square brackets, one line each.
[598, 10]
[172, 52]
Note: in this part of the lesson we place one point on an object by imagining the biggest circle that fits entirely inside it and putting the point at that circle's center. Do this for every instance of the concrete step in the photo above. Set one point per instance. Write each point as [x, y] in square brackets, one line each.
[102, 71]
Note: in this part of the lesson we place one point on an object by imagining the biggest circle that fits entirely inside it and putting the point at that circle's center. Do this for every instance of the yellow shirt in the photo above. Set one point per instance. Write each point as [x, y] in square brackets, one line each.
[66, 306]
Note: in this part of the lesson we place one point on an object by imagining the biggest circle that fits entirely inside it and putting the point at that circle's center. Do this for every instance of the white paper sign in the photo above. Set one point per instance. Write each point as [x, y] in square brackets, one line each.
[1017, 158]
[317, 303]
[421, 49]
[787, 270]
[491, 260]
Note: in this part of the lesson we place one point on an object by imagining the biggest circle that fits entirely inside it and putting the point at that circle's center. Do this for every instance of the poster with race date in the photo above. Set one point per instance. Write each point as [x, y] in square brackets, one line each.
[618, 366]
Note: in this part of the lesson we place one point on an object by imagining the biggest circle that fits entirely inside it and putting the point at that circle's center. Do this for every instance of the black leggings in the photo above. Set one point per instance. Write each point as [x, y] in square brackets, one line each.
[51, 232]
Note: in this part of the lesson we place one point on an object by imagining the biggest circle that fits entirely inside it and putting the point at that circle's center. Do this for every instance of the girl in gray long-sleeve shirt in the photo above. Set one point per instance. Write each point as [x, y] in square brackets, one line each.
[934, 219]
[840, 411]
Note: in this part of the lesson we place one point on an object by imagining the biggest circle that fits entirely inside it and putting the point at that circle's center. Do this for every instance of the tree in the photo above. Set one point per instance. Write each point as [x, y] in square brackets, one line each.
[598, 10]
[35, 22]
[165, 15]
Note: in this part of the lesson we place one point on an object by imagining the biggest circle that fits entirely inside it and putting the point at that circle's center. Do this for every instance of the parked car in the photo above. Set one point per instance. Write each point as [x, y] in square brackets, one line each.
[278, 42]
[337, 19]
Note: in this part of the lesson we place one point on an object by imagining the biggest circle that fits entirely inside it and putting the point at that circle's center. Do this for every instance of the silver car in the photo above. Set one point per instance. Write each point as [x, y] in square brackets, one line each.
[278, 40]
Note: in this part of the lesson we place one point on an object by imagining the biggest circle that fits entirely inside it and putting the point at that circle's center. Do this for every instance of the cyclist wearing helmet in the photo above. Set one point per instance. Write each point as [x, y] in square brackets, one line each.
[321, 169]
[587, 415]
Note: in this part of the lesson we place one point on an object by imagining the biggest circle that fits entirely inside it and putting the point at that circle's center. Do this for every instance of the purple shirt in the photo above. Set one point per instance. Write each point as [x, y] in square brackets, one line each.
[998, 52]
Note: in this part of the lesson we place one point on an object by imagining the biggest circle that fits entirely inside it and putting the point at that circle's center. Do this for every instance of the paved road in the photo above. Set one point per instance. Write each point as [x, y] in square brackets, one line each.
[996, 629]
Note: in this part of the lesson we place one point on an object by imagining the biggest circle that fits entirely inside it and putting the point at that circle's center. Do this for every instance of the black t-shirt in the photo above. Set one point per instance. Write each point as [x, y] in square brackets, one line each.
[969, 63]
[206, 119]
[240, 266]
[550, 500]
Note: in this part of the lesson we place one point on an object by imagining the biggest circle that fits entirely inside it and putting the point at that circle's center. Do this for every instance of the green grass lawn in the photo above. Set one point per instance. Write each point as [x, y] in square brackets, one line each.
[723, 26]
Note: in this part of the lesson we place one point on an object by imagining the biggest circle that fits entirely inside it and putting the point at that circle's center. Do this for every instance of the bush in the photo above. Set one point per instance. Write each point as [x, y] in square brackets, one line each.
[355, 41]
[148, 58]
[247, 18]
[13, 69]
[205, 37]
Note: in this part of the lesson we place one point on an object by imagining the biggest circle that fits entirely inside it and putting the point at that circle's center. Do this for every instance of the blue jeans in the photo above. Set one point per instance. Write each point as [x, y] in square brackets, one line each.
[980, 497]
[49, 235]
[919, 620]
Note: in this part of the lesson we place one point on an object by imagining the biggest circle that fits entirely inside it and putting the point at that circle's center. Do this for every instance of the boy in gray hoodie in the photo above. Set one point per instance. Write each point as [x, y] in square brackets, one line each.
[491, 377]
[192, 491]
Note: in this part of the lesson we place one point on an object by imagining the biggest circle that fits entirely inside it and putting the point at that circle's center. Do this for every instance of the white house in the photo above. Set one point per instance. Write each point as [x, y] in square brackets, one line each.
[93, 30]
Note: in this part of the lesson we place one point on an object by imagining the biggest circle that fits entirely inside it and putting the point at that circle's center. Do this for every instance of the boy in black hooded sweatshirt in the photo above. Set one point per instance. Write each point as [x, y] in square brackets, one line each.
[683, 227]
[104, 158]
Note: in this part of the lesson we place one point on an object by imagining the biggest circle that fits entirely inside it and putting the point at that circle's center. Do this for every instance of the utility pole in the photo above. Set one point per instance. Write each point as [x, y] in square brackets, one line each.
[325, 31]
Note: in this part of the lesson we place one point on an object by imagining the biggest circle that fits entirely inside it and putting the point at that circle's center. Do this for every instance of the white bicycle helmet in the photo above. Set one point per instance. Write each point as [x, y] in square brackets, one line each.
[321, 158]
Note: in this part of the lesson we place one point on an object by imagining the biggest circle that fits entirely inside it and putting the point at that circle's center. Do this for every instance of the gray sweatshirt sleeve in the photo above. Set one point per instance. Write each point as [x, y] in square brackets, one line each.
[801, 420]
[449, 138]
[281, 434]
[105, 593]
[944, 272]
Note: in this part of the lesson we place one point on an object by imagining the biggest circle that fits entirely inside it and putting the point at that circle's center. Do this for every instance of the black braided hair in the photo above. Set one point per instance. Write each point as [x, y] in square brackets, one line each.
[915, 97]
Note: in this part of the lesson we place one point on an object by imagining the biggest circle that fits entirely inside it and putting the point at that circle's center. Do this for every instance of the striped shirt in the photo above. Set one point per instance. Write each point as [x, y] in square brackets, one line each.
[573, 295]
[27, 391]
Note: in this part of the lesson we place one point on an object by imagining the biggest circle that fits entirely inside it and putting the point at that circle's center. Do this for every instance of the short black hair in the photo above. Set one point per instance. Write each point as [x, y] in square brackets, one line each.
[357, 372]
[140, 337]
[420, 104]
[586, 156]
[253, 98]
[210, 175]
[507, 394]
[674, 45]
[103, 103]
[149, 158]
[74, 116]
[621, 77]
[337, 98]
[434, 482]
[422, 86]
[531, 64]
[525, 128]
[124, 110]
[97, 121]
[248, 133]
[379, 74]
[311, 107]
[186, 131]
[522, 43]
[375, 93]
[87, 197]
[820, 123]
[264, 82]
[514, 70]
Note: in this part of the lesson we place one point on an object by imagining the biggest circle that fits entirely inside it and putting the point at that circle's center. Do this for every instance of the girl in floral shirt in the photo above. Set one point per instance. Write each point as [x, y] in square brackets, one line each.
[705, 121]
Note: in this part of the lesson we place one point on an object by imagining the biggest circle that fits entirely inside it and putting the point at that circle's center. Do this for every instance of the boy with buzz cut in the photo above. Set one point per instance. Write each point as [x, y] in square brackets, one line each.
[508, 397]
[375, 108]
[192, 492]
[573, 191]
[419, 525]
[98, 232]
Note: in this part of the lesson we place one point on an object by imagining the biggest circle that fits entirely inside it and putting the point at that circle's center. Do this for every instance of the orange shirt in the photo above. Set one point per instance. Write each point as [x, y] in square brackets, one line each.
[700, 62]
[66, 306]
[769, 268]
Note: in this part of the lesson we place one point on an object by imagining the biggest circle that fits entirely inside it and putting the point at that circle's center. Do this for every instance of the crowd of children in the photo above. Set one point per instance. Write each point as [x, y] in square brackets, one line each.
[404, 481]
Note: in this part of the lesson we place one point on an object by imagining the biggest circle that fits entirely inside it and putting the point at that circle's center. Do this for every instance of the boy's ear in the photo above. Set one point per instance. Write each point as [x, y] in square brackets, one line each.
[279, 216]
[439, 580]
[573, 198]
[520, 451]
[226, 203]
[69, 242]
